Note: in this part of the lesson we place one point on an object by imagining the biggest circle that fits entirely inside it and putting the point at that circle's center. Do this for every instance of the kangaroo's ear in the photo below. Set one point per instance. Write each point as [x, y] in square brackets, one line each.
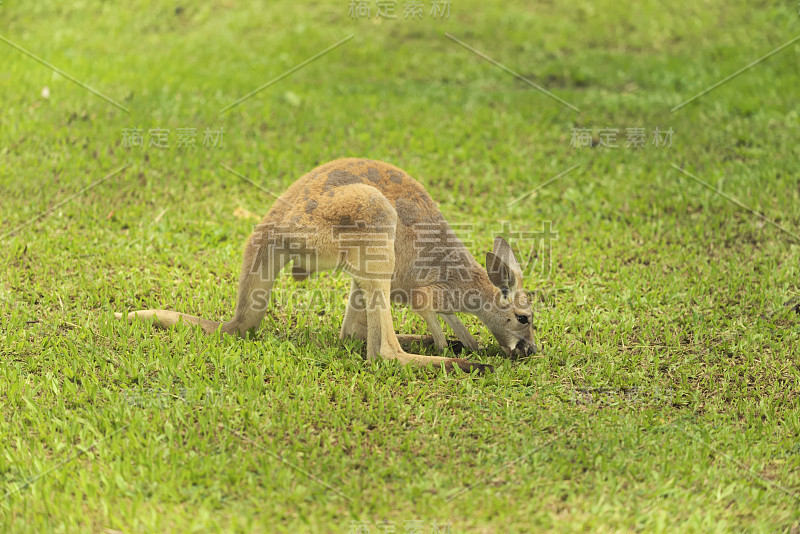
[499, 272]
[503, 251]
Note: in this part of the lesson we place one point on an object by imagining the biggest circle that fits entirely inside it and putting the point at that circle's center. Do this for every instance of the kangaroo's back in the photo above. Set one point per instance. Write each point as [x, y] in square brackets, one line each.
[409, 198]
[373, 221]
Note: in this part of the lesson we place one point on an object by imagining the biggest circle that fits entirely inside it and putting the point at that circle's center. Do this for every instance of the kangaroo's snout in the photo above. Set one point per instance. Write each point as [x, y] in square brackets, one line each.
[524, 348]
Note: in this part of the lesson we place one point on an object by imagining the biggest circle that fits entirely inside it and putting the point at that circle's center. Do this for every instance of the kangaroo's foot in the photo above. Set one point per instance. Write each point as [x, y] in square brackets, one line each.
[468, 367]
[427, 341]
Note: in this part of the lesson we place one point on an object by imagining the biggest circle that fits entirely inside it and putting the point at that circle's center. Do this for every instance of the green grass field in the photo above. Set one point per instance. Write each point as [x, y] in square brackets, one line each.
[665, 396]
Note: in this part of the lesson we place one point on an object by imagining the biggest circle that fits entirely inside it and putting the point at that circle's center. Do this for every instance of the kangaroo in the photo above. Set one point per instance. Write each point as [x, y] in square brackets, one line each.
[373, 221]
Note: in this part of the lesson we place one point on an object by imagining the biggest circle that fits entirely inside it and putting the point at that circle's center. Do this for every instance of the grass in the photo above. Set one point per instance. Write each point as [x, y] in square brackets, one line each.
[665, 397]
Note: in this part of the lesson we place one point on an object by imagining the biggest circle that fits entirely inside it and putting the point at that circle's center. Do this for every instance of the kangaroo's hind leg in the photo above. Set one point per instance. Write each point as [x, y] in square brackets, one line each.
[366, 252]
[355, 316]
[355, 324]
[266, 253]
[264, 256]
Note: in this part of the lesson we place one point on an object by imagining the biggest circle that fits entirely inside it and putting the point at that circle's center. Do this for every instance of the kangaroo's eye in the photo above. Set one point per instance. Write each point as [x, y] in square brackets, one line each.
[523, 319]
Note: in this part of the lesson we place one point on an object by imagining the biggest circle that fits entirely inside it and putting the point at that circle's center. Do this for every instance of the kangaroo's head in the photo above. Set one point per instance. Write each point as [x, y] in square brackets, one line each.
[509, 315]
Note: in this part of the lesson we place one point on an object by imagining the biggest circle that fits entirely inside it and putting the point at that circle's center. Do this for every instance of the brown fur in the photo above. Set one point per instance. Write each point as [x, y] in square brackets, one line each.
[373, 221]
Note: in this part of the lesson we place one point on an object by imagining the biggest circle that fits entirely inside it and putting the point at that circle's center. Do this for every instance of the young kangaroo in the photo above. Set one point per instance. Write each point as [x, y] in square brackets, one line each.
[373, 221]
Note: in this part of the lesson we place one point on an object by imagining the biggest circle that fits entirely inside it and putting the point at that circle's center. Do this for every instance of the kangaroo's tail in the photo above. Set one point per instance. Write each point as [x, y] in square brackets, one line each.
[166, 318]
